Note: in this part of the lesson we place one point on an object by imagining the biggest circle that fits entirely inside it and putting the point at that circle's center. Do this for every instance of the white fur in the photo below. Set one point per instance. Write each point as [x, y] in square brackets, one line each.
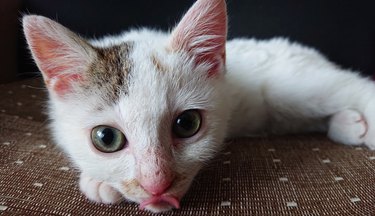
[283, 87]
[269, 86]
[348, 127]
[153, 97]
[98, 191]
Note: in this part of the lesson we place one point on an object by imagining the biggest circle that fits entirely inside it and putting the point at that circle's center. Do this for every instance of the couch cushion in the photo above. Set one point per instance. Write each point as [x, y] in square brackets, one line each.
[288, 175]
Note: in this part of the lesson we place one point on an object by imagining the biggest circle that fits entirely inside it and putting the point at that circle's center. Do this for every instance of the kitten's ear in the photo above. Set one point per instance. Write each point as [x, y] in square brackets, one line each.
[62, 56]
[202, 33]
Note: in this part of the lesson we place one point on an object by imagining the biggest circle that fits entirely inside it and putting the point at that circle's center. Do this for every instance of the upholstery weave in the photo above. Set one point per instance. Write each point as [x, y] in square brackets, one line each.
[285, 175]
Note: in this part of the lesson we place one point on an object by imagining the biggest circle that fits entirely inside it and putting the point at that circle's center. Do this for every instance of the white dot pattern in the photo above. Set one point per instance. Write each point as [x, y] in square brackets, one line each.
[37, 184]
[339, 178]
[225, 203]
[355, 199]
[255, 176]
[19, 162]
[291, 204]
[64, 168]
[283, 179]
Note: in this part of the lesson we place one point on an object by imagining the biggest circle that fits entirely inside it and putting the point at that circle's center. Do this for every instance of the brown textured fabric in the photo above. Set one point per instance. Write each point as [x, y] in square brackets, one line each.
[288, 175]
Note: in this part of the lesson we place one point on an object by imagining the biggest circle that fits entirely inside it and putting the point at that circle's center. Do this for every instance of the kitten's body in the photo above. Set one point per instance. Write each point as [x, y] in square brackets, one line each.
[287, 88]
[140, 82]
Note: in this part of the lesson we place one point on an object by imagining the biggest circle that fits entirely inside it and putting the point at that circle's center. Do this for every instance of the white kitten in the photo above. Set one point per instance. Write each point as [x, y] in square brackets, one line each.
[140, 113]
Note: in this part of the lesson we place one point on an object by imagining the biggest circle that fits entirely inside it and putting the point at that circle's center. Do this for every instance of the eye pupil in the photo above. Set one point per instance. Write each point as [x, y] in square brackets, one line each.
[106, 135]
[185, 122]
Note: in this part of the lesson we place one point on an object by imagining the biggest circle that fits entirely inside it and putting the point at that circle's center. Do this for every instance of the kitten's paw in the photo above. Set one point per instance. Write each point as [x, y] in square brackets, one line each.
[98, 191]
[348, 127]
[370, 139]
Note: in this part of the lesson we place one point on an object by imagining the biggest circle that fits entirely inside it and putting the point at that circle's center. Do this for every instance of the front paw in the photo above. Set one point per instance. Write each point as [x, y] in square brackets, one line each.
[98, 191]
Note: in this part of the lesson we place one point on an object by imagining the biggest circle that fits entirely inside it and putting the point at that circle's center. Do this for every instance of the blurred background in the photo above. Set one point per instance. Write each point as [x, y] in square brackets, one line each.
[342, 30]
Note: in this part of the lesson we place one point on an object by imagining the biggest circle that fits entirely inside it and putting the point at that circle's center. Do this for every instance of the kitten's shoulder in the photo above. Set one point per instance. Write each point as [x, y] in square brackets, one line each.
[279, 49]
[133, 35]
[280, 44]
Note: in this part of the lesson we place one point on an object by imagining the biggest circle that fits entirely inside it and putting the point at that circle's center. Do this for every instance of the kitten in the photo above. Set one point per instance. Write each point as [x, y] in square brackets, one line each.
[140, 114]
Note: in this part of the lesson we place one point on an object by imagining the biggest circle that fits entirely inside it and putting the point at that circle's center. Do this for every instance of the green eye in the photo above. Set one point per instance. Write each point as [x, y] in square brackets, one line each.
[107, 139]
[187, 124]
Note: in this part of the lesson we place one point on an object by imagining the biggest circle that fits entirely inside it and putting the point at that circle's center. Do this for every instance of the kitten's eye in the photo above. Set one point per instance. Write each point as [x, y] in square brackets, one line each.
[107, 139]
[187, 124]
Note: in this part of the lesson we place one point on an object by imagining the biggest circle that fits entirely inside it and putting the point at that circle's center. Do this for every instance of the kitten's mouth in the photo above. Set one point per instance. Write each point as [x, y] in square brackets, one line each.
[161, 202]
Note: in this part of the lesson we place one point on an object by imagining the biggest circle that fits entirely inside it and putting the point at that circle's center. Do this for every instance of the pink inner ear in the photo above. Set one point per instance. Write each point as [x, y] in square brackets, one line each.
[61, 55]
[45, 51]
[63, 84]
[48, 52]
[202, 33]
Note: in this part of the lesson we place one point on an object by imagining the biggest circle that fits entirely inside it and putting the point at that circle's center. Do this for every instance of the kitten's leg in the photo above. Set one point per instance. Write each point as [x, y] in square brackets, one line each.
[348, 127]
[98, 191]
[327, 92]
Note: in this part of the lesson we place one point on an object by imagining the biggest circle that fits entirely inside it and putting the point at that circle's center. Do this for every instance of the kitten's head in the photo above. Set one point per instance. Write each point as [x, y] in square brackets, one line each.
[144, 111]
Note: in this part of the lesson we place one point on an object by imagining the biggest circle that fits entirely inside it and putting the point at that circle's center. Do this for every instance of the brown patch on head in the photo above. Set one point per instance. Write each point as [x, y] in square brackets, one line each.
[159, 66]
[110, 71]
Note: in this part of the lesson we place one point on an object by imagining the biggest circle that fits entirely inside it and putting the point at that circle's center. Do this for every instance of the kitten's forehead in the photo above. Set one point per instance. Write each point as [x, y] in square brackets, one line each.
[110, 71]
[137, 70]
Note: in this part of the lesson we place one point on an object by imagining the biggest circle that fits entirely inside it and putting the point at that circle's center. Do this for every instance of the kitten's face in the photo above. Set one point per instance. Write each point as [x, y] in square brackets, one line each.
[142, 112]
[157, 150]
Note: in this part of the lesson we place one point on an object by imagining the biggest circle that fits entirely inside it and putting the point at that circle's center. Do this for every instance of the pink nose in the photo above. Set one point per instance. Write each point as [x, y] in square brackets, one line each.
[156, 188]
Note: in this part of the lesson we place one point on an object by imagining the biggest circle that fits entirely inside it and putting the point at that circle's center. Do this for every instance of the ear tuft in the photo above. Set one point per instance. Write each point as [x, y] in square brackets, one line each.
[202, 33]
[61, 55]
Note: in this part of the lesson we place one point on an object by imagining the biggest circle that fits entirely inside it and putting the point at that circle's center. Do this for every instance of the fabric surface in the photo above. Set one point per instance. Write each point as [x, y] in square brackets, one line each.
[287, 175]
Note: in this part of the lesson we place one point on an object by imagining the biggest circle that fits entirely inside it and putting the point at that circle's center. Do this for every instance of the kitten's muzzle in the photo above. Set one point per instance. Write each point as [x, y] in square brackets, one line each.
[158, 187]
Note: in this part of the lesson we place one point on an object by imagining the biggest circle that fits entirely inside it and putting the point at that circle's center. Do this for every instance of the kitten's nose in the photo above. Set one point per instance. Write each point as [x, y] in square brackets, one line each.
[155, 173]
[158, 187]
